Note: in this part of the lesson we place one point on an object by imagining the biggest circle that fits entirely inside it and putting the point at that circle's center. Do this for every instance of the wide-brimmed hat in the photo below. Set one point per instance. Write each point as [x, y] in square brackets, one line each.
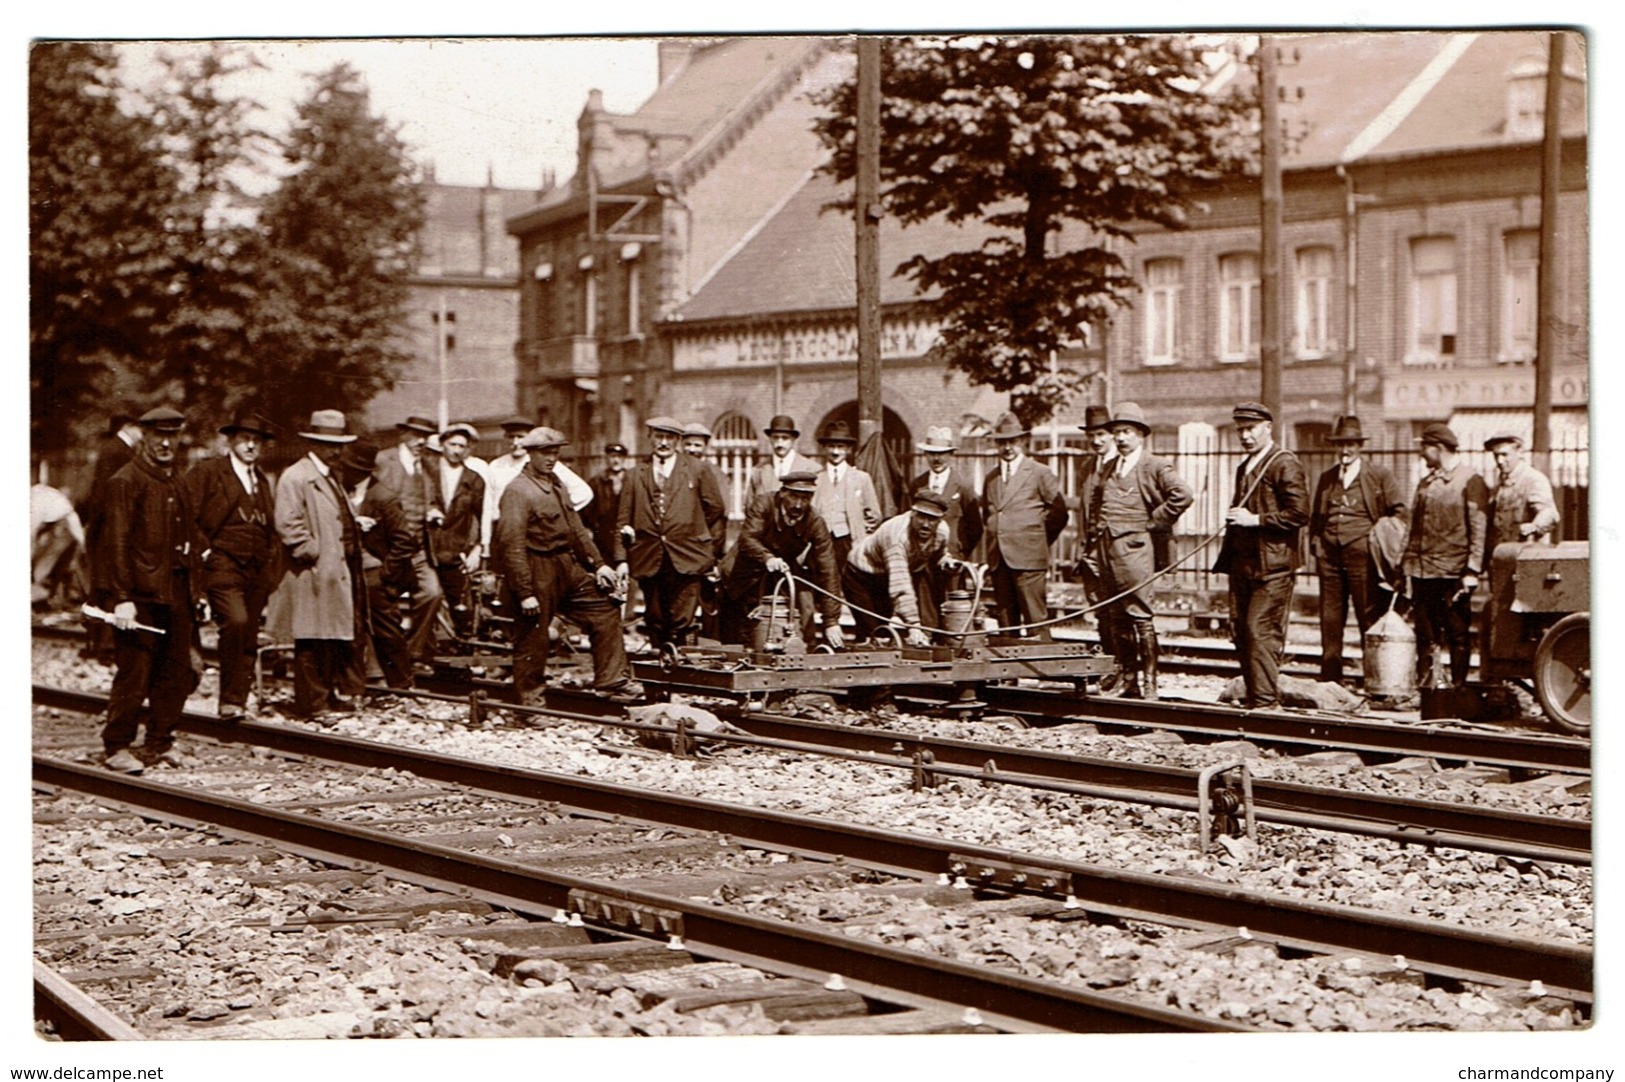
[461, 428]
[1008, 428]
[782, 423]
[1096, 417]
[664, 424]
[838, 432]
[542, 437]
[360, 457]
[930, 503]
[1441, 434]
[937, 438]
[1130, 413]
[1346, 430]
[163, 419]
[1502, 437]
[696, 429]
[419, 424]
[514, 426]
[249, 422]
[1247, 413]
[327, 426]
[799, 481]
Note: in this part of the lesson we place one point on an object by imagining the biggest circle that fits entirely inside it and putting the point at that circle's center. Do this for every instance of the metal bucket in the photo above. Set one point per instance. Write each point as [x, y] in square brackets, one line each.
[777, 629]
[959, 615]
[1390, 658]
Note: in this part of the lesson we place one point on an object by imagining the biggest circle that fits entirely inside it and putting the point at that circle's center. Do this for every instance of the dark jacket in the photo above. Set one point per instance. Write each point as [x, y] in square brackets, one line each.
[112, 455]
[151, 533]
[603, 514]
[806, 546]
[388, 547]
[537, 520]
[1449, 524]
[1023, 521]
[233, 524]
[964, 516]
[1280, 499]
[693, 530]
[1375, 489]
[452, 539]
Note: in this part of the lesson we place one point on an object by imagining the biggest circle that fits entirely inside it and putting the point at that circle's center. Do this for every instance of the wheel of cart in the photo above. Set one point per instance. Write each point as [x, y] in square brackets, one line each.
[1563, 672]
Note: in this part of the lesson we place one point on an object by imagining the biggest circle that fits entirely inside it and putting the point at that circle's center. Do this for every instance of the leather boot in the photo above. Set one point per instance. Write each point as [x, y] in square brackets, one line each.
[1128, 659]
[1147, 634]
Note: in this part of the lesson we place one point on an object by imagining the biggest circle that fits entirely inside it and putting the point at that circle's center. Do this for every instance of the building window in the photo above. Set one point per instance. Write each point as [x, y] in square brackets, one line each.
[1521, 316]
[1313, 337]
[1239, 317]
[1433, 300]
[589, 296]
[1164, 280]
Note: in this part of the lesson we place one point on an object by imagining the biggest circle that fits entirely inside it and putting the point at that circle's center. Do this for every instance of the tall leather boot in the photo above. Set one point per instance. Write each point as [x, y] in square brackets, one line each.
[1127, 651]
[1111, 683]
[1147, 635]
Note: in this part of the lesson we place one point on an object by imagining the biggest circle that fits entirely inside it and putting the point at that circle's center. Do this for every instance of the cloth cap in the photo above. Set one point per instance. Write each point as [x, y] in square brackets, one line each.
[799, 481]
[163, 419]
[461, 428]
[515, 426]
[937, 438]
[543, 437]
[419, 424]
[1346, 430]
[782, 423]
[1440, 434]
[327, 426]
[930, 503]
[664, 424]
[1251, 413]
[696, 429]
[1008, 428]
[1502, 437]
[615, 449]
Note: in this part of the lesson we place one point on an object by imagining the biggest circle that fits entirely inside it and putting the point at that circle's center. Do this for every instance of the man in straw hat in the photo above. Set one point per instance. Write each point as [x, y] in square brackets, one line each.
[781, 435]
[1268, 509]
[782, 533]
[1350, 499]
[845, 497]
[236, 509]
[1024, 513]
[551, 566]
[324, 584]
[1139, 493]
[1444, 555]
[152, 580]
[964, 516]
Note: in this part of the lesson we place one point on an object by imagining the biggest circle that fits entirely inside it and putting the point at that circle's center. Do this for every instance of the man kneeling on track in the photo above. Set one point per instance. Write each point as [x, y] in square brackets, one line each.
[885, 574]
[782, 533]
[546, 551]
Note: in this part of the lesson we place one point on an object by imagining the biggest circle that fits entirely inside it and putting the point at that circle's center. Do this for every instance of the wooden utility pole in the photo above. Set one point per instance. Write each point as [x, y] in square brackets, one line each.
[867, 213]
[1551, 183]
[1269, 301]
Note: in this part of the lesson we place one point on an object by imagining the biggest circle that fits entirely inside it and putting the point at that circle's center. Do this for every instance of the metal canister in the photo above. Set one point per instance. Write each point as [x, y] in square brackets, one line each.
[959, 615]
[1390, 658]
[773, 623]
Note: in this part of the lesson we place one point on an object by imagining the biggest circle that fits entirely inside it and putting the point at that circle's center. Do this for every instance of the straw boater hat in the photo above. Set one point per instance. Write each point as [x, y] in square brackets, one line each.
[1346, 430]
[1008, 428]
[1130, 413]
[799, 481]
[542, 437]
[937, 438]
[421, 425]
[664, 424]
[327, 426]
[249, 422]
[838, 432]
[930, 503]
[782, 423]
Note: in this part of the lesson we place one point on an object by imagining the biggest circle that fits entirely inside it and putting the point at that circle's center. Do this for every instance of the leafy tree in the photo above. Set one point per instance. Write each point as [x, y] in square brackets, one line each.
[99, 201]
[1023, 135]
[340, 234]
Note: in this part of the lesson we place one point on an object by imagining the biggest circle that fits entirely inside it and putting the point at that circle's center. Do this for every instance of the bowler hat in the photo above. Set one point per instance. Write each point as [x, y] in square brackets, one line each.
[615, 449]
[163, 419]
[1346, 430]
[930, 503]
[937, 438]
[782, 423]
[327, 426]
[838, 432]
[1502, 437]
[1096, 417]
[1008, 428]
[696, 429]
[361, 457]
[1440, 434]
[1247, 413]
[799, 481]
[664, 424]
[249, 422]
[514, 426]
[1130, 413]
[542, 437]
[419, 424]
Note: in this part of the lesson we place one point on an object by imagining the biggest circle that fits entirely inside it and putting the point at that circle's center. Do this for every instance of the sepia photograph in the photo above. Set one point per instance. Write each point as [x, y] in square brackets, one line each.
[882, 536]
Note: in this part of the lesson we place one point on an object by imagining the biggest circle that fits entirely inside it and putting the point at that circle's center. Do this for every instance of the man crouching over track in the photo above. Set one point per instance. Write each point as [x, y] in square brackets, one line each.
[783, 533]
[545, 551]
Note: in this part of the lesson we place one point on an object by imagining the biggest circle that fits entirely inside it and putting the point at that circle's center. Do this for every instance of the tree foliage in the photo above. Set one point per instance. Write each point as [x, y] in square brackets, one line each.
[1022, 136]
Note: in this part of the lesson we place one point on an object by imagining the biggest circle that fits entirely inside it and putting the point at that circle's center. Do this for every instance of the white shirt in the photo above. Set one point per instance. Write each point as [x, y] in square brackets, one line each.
[1256, 457]
[1127, 462]
[938, 480]
[244, 474]
[664, 466]
[407, 460]
[1008, 469]
[835, 473]
[449, 477]
[1351, 473]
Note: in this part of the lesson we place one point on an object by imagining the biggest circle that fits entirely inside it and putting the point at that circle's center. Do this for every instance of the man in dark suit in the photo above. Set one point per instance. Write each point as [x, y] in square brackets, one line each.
[235, 507]
[387, 544]
[1024, 513]
[1260, 551]
[1137, 494]
[116, 448]
[696, 443]
[405, 469]
[457, 491]
[1096, 425]
[672, 529]
[1349, 500]
[964, 517]
[603, 513]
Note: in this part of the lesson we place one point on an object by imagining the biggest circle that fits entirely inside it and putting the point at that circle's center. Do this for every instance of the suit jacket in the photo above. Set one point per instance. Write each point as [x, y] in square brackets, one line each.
[964, 516]
[233, 524]
[1164, 493]
[1280, 499]
[112, 455]
[1023, 518]
[150, 532]
[763, 479]
[416, 488]
[856, 495]
[388, 547]
[312, 518]
[1375, 489]
[463, 509]
[693, 530]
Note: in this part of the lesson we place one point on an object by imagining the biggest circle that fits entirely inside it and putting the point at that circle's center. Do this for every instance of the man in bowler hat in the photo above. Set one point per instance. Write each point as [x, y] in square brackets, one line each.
[781, 437]
[845, 496]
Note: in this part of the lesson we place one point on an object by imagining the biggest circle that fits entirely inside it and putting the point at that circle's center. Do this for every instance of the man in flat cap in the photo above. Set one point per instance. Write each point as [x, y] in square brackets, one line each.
[1444, 555]
[845, 499]
[153, 580]
[405, 469]
[503, 470]
[1024, 513]
[457, 491]
[236, 510]
[781, 435]
[964, 516]
[1139, 493]
[1521, 503]
[886, 572]
[782, 533]
[1351, 498]
[324, 587]
[1268, 509]
[552, 567]
[671, 531]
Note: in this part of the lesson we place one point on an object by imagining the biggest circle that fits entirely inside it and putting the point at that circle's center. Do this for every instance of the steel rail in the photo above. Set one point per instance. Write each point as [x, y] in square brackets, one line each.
[76, 1016]
[1005, 1000]
[1318, 927]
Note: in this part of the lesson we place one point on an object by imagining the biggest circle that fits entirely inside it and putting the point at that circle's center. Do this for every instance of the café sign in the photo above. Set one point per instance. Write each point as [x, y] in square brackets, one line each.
[827, 343]
[1440, 393]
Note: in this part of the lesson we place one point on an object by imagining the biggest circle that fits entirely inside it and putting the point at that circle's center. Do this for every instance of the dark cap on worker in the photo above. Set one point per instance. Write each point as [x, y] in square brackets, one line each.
[1250, 413]
[799, 481]
[615, 449]
[517, 426]
[1440, 434]
[1502, 437]
[163, 419]
[930, 503]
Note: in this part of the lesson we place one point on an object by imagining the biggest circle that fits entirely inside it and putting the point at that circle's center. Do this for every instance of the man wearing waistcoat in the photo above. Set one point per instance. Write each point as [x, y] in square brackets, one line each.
[1444, 554]
[1269, 507]
[1023, 512]
[236, 509]
[845, 497]
[1138, 493]
[457, 492]
[1350, 498]
[1097, 427]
